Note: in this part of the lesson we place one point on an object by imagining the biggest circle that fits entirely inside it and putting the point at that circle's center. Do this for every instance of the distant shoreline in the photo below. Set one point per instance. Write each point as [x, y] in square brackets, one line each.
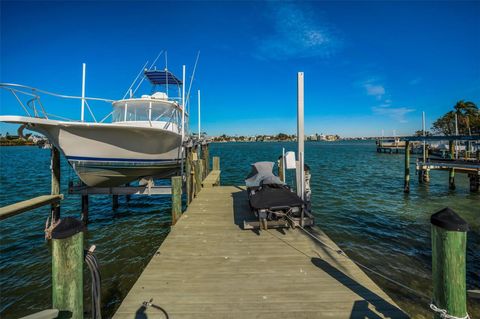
[7, 145]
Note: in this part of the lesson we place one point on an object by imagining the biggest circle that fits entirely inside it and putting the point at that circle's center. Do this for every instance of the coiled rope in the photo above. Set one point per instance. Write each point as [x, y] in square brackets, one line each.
[443, 313]
[93, 266]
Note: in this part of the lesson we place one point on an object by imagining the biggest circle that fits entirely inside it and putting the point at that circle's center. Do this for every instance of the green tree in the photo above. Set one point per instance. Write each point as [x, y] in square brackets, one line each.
[468, 118]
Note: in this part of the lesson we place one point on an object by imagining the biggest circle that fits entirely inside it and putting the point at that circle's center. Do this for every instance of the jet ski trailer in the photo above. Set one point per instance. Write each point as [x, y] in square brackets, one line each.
[272, 202]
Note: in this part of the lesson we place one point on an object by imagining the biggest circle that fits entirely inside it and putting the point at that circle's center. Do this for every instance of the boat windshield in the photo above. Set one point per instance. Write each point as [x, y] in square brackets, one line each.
[144, 110]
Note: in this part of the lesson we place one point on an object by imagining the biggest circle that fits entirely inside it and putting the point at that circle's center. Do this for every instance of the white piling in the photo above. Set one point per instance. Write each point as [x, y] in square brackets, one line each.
[300, 132]
[84, 72]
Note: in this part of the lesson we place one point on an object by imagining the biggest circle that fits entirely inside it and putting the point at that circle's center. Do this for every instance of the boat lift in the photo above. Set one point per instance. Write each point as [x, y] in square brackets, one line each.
[294, 209]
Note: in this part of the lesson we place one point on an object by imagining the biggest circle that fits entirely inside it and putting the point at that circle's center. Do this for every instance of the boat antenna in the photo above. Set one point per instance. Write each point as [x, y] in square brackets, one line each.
[199, 127]
[182, 148]
[143, 78]
[134, 81]
[84, 71]
[193, 76]
[183, 104]
[166, 69]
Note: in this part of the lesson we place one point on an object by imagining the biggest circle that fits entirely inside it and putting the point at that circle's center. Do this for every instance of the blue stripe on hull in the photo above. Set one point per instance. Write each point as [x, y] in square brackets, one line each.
[106, 159]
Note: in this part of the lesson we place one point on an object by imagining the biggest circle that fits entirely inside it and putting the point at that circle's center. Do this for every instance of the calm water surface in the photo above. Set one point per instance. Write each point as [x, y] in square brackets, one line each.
[358, 201]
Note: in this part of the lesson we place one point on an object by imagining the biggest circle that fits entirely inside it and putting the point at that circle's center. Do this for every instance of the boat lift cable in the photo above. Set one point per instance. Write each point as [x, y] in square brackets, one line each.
[442, 312]
[94, 268]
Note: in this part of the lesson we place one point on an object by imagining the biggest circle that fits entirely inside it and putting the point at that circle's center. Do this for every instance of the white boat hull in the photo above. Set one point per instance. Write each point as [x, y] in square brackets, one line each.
[110, 154]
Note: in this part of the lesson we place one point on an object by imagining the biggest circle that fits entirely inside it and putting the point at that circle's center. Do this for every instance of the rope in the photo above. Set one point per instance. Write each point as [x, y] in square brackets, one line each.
[50, 225]
[443, 313]
[93, 266]
[340, 252]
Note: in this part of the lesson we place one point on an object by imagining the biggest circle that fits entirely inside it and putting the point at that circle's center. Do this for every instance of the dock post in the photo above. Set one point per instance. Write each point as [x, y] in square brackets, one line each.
[426, 175]
[451, 175]
[206, 159]
[216, 167]
[449, 237]
[127, 197]
[67, 268]
[202, 170]
[114, 202]
[85, 209]
[198, 176]
[216, 163]
[176, 198]
[474, 182]
[188, 175]
[55, 170]
[406, 187]
[421, 175]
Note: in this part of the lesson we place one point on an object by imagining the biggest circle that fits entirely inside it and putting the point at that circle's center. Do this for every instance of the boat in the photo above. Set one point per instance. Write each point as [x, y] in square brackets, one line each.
[143, 139]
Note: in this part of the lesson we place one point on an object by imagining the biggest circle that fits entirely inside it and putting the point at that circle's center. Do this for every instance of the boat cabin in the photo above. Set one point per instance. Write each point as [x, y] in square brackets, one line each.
[158, 109]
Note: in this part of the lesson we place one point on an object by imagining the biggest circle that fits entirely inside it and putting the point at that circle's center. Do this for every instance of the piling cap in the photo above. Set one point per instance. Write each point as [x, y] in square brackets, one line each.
[449, 220]
[67, 227]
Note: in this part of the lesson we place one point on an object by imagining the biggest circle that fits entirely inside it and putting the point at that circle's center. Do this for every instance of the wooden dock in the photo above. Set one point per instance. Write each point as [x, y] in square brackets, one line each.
[209, 267]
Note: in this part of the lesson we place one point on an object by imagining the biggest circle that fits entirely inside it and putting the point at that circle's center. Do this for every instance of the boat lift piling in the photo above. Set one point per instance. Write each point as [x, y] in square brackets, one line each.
[451, 174]
[449, 250]
[406, 185]
[55, 188]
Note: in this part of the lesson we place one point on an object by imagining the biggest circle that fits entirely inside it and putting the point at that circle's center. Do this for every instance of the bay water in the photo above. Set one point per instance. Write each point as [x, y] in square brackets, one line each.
[357, 199]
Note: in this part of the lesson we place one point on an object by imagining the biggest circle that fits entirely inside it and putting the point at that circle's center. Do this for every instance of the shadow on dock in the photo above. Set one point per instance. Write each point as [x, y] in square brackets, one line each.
[360, 308]
[241, 209]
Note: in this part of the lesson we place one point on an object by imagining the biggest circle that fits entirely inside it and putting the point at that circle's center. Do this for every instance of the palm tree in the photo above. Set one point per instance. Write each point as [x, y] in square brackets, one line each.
[466, 112]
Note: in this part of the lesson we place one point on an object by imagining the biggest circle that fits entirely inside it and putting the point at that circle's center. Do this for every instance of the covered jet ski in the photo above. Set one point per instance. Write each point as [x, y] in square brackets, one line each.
[271, 200]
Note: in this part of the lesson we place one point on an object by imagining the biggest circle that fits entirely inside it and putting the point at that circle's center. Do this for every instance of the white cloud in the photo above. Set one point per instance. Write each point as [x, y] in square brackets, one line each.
[396, 113]
[375, 90]
[296, 33]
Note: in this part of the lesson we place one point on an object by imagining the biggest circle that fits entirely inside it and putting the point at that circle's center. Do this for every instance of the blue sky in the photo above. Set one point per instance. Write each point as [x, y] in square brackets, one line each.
[368, 65]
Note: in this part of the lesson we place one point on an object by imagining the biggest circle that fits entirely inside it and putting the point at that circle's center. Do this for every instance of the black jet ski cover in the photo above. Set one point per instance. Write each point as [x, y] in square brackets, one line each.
[274, 196]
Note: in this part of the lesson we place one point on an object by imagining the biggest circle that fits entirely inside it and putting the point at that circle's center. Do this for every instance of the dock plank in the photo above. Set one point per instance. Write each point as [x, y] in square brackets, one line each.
[208, 267]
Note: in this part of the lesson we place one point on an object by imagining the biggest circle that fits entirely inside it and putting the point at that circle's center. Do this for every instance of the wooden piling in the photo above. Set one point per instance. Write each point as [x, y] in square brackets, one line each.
[189, 175]
[216, 167]
[451, 175]
[406, 187]
[206, 159]
[421, 175]
[55, 190]
[216, 163]
[85, 209]
[67, 268]
[176, 198]
[198, 176]
[474, 182]
[449, 237]
[127, 197]
[114, 202]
